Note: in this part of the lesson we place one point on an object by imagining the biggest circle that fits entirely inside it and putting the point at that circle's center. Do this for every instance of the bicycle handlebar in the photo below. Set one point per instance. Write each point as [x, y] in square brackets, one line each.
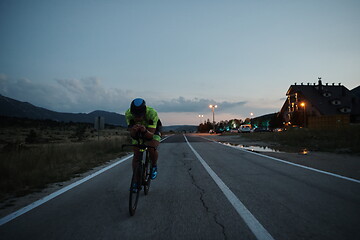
[140, 143]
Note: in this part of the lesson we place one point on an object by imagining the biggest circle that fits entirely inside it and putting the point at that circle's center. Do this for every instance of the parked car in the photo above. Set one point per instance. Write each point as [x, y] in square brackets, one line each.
[245, 128]
[211, 131]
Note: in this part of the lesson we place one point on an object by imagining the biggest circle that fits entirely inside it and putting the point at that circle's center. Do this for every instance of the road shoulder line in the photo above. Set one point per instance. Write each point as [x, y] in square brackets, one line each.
[53, 195]
[41, 201]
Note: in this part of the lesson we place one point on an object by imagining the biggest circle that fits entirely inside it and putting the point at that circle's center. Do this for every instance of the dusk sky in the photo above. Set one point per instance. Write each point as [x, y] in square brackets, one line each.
[180, 56]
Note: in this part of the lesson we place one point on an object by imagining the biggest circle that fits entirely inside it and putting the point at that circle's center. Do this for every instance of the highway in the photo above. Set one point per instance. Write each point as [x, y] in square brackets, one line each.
[204, 190]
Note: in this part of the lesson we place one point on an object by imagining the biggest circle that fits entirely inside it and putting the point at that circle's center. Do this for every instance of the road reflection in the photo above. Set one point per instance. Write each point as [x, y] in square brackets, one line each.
[303, 151]
[253, 148]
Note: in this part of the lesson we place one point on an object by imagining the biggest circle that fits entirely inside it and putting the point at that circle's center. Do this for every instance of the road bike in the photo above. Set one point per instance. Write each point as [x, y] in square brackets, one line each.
[141, 175]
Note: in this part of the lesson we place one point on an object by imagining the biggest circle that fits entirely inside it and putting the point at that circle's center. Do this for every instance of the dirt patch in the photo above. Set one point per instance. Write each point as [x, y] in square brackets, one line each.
[343, 164]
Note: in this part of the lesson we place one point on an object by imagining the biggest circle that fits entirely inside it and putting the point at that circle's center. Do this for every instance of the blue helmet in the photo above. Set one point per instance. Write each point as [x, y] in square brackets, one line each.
[138, 107]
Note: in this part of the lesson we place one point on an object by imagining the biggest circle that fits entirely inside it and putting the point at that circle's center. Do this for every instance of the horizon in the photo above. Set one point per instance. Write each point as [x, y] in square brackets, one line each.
[98, 110]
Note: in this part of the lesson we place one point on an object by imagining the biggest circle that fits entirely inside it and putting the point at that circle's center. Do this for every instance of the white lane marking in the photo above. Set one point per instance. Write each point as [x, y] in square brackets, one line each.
[255, 226]
[33, 205]
[290, 163]
[166, 138]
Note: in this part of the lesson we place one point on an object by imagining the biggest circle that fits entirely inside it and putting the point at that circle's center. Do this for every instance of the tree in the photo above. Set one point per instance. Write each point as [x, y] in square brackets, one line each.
[247, 121]
[205, 127]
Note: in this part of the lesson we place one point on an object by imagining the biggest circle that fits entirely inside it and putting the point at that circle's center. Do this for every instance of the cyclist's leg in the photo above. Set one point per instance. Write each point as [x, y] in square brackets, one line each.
[136, 152]
[153, 152]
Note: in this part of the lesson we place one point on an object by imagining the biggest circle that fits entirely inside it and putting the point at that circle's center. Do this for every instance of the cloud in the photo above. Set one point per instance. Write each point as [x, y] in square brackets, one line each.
[3, 80]
[72, 85]
[265, 103]
[24, 89]
[193, 105]
[89, 94]
[67, 95]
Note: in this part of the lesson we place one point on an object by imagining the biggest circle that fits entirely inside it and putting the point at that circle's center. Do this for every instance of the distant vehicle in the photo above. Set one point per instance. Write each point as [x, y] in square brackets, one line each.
[211, 131]
[219, 131]
[246, 128]
[234, 130]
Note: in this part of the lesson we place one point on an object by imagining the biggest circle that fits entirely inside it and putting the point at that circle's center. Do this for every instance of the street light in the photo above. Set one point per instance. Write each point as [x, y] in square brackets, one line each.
[213, 111]
[251, 116]
[304, 106]
[201, 116]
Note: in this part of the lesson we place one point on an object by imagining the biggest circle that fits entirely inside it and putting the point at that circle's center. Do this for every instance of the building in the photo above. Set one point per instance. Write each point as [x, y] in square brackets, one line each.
[321, 105]
[262, 122]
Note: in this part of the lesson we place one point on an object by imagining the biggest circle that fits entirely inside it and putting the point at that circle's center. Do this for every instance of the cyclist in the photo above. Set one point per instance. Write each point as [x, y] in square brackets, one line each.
[143, 122]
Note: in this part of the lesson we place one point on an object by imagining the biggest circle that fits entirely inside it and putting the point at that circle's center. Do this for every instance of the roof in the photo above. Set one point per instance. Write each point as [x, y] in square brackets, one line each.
[356, 91]
[322, 96]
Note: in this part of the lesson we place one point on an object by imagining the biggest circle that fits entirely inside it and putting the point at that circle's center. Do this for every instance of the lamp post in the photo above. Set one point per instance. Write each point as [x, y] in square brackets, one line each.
[251, 116]
[213, 112]
[201, 116]
[304, 106]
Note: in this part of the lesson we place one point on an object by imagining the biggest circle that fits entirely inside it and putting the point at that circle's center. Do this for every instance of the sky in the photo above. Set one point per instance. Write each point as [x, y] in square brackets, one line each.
[180, 56]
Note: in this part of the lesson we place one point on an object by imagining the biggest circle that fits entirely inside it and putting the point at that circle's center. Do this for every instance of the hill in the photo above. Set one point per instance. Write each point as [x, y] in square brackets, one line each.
[13, 108]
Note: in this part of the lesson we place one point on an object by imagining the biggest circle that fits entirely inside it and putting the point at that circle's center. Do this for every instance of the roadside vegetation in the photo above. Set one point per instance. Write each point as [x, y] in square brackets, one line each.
[337, 140]
[37, 153]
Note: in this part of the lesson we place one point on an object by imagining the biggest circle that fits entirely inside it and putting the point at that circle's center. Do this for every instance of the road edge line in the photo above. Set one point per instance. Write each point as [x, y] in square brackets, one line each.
[53, 195]
[290, 163]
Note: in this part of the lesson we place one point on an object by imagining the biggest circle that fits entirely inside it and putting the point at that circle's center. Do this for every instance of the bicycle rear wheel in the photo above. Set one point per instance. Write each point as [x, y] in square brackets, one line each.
[134, 196]
[147, 174]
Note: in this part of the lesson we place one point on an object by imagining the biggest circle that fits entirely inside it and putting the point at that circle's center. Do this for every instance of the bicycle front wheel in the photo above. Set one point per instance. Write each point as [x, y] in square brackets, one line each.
[134, 195]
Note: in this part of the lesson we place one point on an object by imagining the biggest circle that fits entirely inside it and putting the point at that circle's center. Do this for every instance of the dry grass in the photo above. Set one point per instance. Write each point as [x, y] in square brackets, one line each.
[25, 168]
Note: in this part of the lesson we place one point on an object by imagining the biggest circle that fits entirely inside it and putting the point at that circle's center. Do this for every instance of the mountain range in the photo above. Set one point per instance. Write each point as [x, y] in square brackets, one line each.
[13, 108]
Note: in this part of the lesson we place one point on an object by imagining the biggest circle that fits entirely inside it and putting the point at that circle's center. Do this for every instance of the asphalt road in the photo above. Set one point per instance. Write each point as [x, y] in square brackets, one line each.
[245, 196]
